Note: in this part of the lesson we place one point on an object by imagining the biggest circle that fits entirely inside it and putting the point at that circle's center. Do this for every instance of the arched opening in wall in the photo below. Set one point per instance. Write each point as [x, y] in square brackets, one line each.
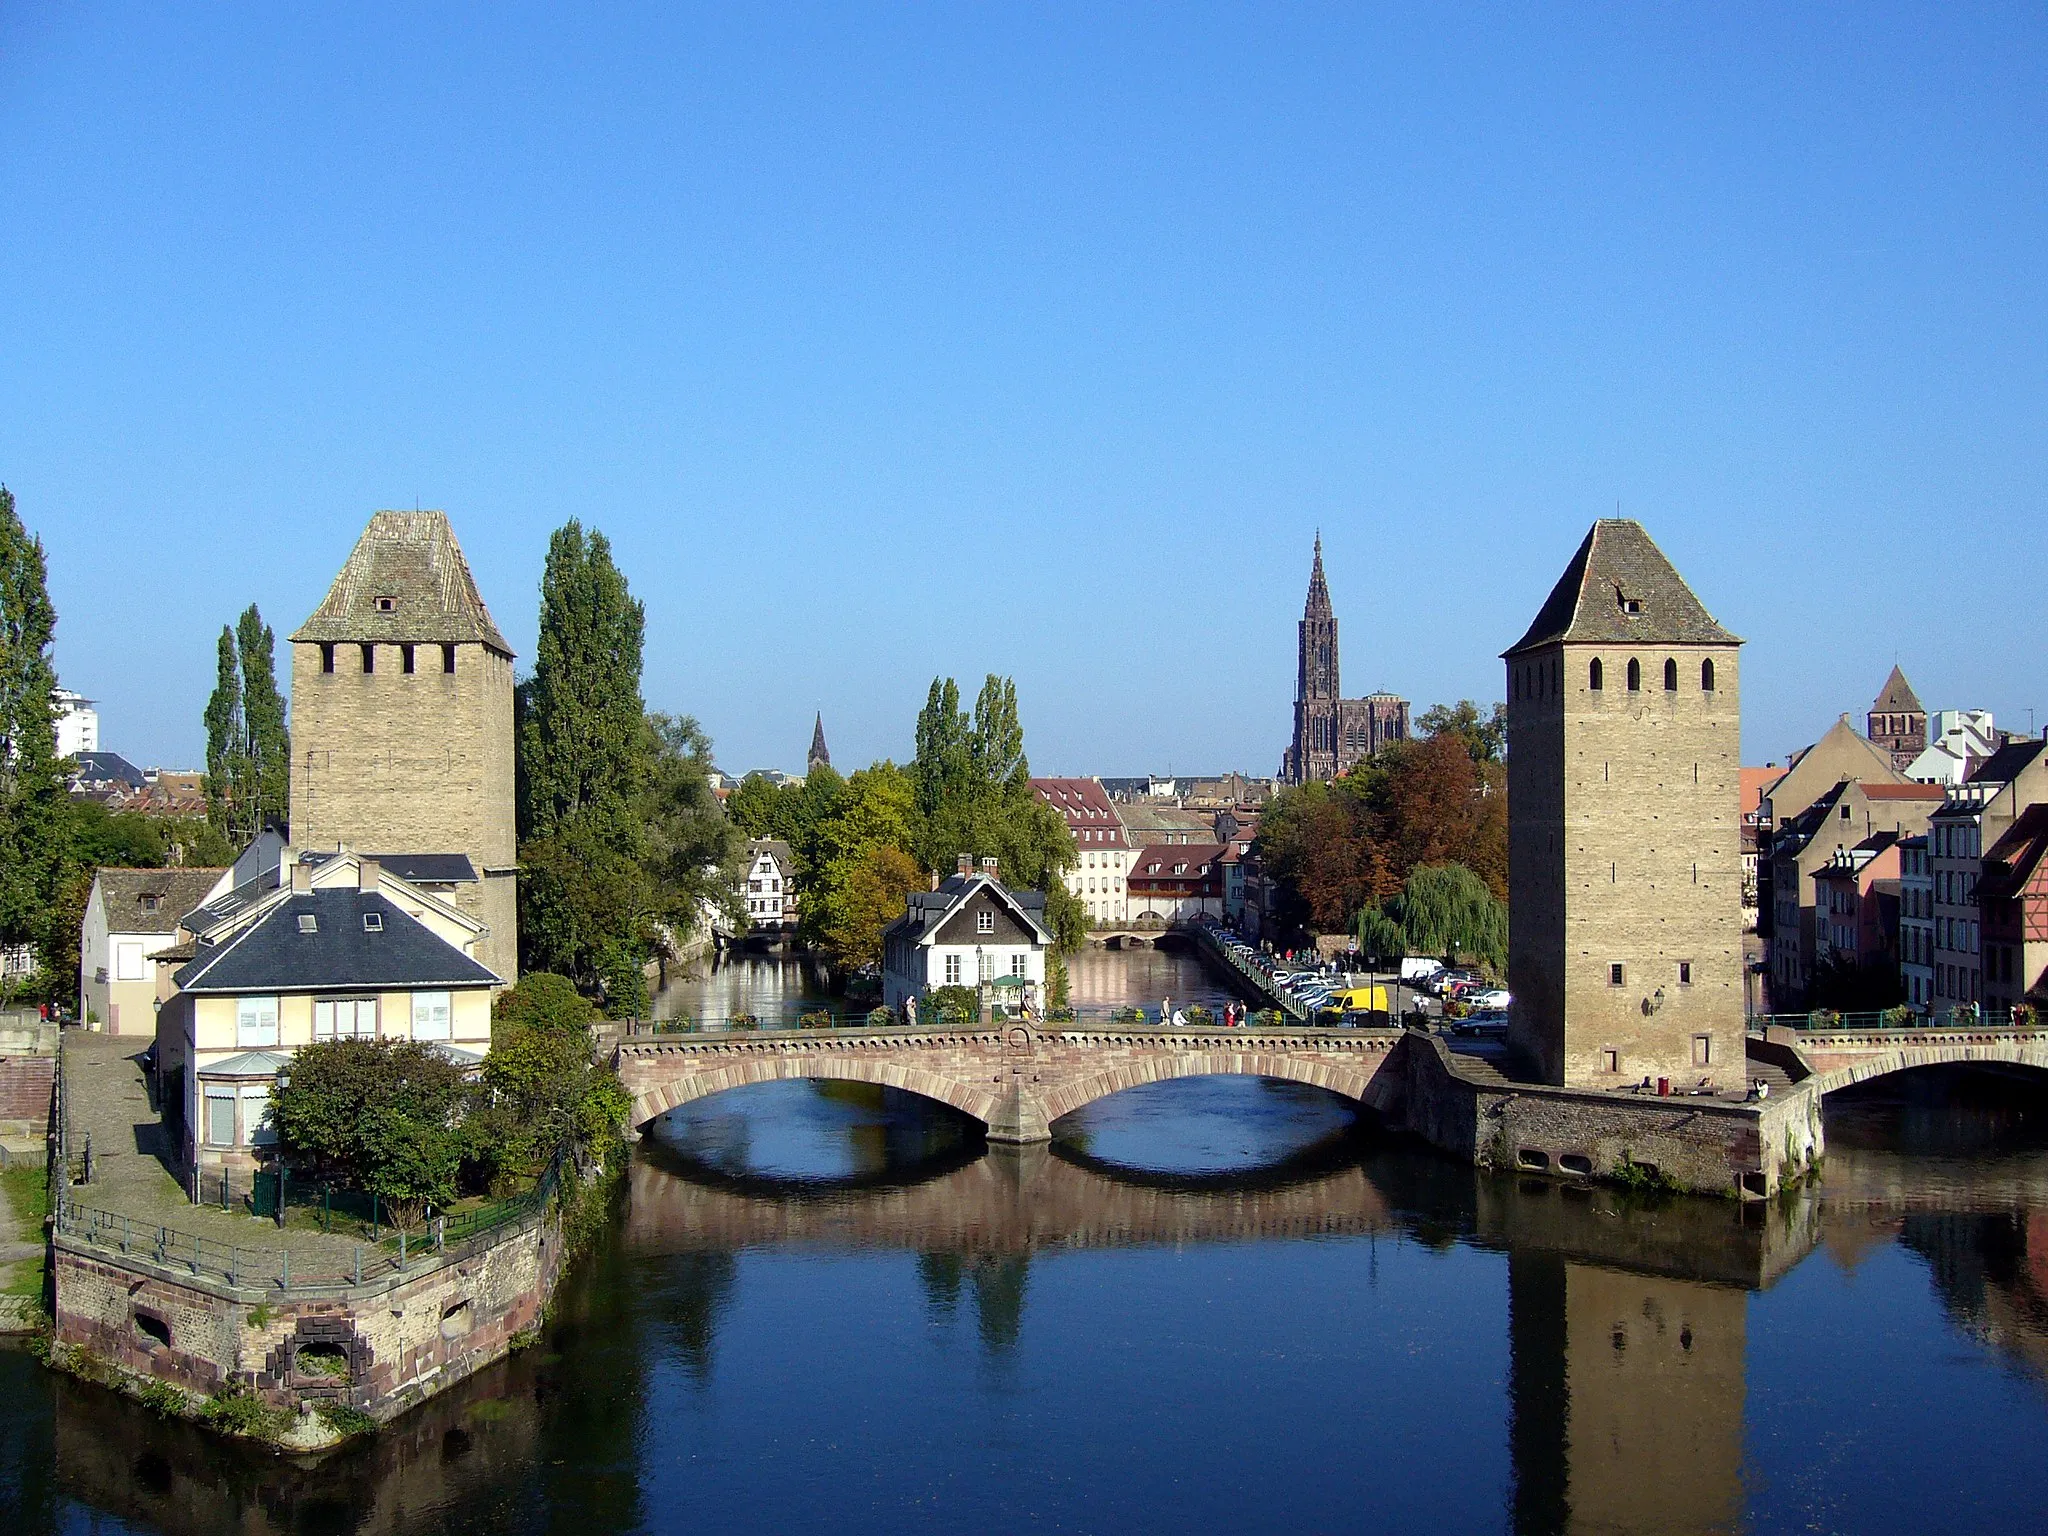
[1595, 675]
[321, 1362]
[1670, 675]
[1576, 1162]
[1707, 675]
[151, 1329]
[800, 1134]
[457, 1319]
[1219, 1127]
[1635, 676]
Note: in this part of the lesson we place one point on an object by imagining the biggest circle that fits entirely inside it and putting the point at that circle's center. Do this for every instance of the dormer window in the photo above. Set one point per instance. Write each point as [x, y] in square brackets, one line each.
[373, 922]
[308, 923]
[151, 903]
[1626, 603]
[387, 605]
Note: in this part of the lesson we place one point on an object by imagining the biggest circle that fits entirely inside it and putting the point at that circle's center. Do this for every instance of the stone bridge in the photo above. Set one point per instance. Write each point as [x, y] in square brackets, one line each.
[1015, 1079]
[1822, 1061]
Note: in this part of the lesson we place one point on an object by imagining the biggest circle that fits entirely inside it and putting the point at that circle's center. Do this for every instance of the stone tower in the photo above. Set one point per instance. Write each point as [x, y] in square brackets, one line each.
[402, 719]
[820, 755]
[1313, 754]
[1624, 840]
[1897, 722]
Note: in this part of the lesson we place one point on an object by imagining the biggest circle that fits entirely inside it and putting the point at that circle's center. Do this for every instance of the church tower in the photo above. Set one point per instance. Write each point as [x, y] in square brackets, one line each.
[1897, 721]
[402, 722]
[1624, 833]
[1313, 754]
[820, 755]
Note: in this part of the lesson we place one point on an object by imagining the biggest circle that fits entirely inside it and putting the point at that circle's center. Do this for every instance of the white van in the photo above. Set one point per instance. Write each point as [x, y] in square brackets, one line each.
[1416, 968]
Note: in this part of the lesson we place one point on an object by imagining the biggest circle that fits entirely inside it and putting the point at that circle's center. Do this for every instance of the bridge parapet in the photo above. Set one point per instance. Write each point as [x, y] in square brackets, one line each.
[1843, 1057]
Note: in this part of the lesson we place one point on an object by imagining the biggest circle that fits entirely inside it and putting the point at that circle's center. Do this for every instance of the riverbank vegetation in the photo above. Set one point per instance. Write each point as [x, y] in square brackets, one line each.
[1409, 848]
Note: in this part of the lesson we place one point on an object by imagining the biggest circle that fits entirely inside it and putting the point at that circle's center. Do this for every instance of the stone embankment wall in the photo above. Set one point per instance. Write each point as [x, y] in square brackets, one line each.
[381, 1346]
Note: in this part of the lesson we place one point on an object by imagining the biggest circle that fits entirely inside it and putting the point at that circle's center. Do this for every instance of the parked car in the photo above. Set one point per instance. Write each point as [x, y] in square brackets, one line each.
[1489, 998]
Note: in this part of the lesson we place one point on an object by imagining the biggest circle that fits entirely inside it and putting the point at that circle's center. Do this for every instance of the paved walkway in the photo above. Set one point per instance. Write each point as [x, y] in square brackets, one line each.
[107, 1097]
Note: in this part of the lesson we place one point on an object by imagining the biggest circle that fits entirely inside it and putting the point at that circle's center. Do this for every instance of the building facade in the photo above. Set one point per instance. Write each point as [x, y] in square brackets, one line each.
[973, 931]
[1331, 732]
[1975, 816]
[402, 718]
[131, 915]
[1856, 901]
[2014, 899]
[1175, 882]
[1624, 846]
[78, 723]
[1102, 850]
[1916, 922]
[770, 886]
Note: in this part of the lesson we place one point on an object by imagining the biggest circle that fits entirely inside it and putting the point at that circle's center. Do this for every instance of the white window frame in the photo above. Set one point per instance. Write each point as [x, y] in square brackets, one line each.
[433, 1015]
[343, 1018]
[985, 920]
[211, 1094]
[952, 970]
[1020, 965]
[128, 960]
[256, 1022]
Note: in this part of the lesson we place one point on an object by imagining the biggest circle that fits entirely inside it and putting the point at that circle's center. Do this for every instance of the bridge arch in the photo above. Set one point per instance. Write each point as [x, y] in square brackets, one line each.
[1885, 1063]
[1077, 1093]
[690, 1082]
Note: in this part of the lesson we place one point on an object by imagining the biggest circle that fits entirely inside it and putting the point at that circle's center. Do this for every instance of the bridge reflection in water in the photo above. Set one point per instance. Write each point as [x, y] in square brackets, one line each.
[1626, 1328]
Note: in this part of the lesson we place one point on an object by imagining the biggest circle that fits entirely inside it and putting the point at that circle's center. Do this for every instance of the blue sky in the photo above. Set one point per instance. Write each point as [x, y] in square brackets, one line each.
[887, 342]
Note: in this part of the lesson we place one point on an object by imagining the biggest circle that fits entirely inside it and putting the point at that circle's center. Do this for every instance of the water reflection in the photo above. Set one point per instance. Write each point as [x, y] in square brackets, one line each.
[841, 1316]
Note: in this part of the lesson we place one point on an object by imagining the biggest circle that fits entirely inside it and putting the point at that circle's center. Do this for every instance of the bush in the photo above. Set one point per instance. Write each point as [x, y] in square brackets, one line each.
[1268, 1018]
[1199, 1015]
[954, 1005]
[345, 1418]
[817, 1018]
[545, 1003]
[1127, 1016]
[165, 1400]
[235, 1410]
[881, 1018]
[377, 1115]
[742, 1021]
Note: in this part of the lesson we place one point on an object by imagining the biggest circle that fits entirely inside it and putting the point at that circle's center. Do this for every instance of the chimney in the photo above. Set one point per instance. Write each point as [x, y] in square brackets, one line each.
[369, 874]
[302, 878]
[964, 865]
[988, 865]
[935, 881]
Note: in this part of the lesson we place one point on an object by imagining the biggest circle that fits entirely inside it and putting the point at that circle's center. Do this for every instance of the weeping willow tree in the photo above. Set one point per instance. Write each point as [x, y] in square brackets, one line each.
[1443, 909]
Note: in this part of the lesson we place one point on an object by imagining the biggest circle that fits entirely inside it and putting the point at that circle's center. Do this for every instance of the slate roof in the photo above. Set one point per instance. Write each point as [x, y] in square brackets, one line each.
[177, 892]
[1086, 806]
[1618, 565]
[1897, 696]
[926, 911]
[272, 955]
[2007, 763]
[1157, 861]
[228, 903]
[412, 559]
[414, 868]
[2010, 863]
[106, 768]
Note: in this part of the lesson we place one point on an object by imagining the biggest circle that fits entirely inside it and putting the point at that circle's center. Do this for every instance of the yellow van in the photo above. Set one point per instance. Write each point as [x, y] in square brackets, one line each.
[1367, 999]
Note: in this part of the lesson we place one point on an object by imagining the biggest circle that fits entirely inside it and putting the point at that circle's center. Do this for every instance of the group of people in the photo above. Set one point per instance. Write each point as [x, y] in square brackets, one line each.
[1172, 1017]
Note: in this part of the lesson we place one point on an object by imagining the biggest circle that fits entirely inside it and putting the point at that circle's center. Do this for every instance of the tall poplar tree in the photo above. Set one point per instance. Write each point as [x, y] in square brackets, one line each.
[587, 905]
[248, 747]
[34, 808]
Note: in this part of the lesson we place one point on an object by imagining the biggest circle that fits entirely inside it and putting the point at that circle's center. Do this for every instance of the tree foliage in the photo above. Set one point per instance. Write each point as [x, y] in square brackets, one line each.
[248, 745]
[1443, 909]
[973, 789]
[33, 801]
[385, 1116]
[1338, 849]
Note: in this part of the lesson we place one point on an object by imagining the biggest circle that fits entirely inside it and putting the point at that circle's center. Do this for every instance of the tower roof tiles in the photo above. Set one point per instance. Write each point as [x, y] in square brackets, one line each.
[1897, 696]
[405, 581]
[1621, 589]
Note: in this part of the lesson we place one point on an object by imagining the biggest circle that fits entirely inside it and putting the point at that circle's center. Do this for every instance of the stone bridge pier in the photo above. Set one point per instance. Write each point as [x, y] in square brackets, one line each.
[1015, 1079]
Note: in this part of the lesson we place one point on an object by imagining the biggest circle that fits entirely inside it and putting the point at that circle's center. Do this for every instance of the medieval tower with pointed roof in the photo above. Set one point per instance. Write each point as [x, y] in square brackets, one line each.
[1624, 832]
[820, 755]
[1897, 722]
[402, 720]
[1332, 733]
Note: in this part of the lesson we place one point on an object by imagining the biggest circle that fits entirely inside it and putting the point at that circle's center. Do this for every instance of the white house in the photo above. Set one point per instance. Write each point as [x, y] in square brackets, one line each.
[1102, 848]
[1957, 740]
[769, 885]
[973, 930]
[342, 950]
[131, 915]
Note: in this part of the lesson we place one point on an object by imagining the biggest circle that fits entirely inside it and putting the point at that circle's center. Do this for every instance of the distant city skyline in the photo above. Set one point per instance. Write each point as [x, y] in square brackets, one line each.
[892, 347]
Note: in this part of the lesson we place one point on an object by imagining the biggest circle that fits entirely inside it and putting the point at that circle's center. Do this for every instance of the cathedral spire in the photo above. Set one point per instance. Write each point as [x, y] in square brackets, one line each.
[820, 757]
[1318, 604]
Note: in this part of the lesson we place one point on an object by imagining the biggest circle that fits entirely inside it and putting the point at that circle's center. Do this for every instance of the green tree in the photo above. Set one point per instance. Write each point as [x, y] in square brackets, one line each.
[1485, 736]
[867, 895]
[542, 1084]
[587, 907]
[248, 747]
[752, 807]
[689, 848]
[383, 1116]
[34, 858]
[1443, 909]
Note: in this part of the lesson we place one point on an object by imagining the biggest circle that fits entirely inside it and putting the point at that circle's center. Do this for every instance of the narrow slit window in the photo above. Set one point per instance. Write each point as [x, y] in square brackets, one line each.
[1670, 675]
[1616, 976]
[1707, 675]
[326, 656]
[448, 658]
[405, 660]
[1635, 675]
[1594, 677]
[369, 659]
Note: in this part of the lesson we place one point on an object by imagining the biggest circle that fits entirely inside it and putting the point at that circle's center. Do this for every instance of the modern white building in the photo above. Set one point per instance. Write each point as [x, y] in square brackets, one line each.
[78, 723]
[970, 932]
[1957, 739]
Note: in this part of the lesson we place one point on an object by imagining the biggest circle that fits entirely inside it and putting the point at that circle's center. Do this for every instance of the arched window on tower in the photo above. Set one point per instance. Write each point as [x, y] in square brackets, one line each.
[1670, 675]
[1594, 677]
[1707, 675]
[1635, 675]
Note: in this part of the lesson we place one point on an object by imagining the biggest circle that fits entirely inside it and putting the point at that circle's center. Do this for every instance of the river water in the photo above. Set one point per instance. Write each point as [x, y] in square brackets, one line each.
[1215, 1305]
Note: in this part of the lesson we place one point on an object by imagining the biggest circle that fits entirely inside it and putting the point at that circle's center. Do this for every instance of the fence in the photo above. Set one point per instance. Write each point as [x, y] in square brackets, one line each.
[1084, 1015]
[1825, 1019]
[388, 1250]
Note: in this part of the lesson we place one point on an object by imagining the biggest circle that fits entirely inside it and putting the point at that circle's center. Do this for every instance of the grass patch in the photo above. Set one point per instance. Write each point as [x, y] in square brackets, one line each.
[24, 1278]
[28, 1197]
[235, 1410]
[345, 1418]
[165, 1400]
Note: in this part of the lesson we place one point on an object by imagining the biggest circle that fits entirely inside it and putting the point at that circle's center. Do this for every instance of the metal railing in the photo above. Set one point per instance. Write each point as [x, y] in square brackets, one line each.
[1827, 1020]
